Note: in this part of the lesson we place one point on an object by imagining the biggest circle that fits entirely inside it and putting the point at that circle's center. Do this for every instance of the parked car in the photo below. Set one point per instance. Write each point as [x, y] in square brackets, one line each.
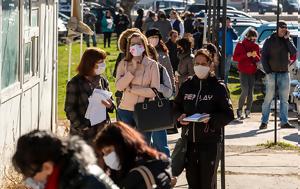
[266, 29]
[263, 6]
[62, 30]
[240, 27]
[290, 6]
[168, 10]
[195, 8]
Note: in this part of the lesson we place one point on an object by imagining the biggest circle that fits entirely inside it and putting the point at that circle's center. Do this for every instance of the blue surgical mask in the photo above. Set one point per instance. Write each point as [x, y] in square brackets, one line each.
[32, 184]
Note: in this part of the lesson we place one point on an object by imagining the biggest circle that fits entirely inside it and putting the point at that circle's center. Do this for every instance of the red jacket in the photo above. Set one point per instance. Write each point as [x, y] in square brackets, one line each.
[246, 64]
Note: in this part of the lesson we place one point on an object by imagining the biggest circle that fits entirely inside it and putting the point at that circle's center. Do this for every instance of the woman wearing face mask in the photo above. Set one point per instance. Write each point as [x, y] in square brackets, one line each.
[124, 149]
[203, 93]
[80, 88]
[185, 66]
[46, 162]
[137, 74]
[247, 55]
[155, 40]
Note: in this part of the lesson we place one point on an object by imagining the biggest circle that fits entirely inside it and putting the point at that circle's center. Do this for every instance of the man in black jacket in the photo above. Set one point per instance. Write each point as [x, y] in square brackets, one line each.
[276, 53]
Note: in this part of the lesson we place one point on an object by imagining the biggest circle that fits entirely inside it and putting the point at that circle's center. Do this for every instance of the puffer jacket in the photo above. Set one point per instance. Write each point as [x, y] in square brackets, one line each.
[204, 96]
[79, 171]
[246, 65]
[160, 169]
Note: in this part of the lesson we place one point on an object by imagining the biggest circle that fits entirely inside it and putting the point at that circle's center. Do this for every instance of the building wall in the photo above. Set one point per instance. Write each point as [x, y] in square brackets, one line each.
[29, 101]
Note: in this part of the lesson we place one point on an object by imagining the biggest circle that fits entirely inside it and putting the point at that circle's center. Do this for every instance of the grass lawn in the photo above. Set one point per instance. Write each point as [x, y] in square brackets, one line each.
[63, 55]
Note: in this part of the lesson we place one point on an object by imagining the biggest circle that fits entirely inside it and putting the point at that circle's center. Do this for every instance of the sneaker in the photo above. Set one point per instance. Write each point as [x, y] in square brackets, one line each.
[287, 126]
[239, 114]
[247, 113]
[263, 126]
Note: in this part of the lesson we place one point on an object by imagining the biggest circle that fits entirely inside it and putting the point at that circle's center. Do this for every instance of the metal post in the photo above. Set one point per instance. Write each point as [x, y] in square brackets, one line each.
[275, 111]
[222, 76]
[209, 21]
[70, 48]
[275, 108]
[81, 35]
[246, 6]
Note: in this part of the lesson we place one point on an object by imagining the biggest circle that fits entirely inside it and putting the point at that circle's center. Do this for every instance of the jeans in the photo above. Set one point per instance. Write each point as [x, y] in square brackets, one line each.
[283, 83]
[126, 116]
[87, 40]
[247, 85]
[160, 141]
[227, 67]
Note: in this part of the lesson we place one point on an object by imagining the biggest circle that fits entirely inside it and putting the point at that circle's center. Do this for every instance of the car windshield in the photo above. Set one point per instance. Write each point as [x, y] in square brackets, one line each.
[264, 1]
[293, 1]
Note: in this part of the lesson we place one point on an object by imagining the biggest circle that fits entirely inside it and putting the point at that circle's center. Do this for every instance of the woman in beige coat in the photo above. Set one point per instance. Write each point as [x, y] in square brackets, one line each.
[136, 75]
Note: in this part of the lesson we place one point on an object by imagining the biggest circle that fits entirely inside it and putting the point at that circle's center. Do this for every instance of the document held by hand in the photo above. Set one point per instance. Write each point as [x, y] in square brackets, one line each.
[96, 111]
[197, 118]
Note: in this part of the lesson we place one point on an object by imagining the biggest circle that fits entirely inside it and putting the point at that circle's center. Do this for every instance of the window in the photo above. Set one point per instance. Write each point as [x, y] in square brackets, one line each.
[10, 43]
[265, 34]
[31, 32]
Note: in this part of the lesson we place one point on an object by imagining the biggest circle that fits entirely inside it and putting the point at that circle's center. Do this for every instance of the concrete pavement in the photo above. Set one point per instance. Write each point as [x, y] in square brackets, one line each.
[255, 167]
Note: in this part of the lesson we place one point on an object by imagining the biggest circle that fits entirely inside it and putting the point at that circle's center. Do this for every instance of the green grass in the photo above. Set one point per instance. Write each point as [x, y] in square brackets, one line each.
[279, 146]
[63, 57]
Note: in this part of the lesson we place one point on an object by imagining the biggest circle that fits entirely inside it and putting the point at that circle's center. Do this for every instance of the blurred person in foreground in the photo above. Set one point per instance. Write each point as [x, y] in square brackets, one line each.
[46, 162]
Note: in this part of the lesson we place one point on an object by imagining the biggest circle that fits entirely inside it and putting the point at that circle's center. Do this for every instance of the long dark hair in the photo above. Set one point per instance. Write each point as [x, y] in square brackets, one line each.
[129, 145]
[162, 47]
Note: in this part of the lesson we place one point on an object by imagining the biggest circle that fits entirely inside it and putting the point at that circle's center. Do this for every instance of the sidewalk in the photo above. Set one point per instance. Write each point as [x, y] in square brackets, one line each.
[253, 167]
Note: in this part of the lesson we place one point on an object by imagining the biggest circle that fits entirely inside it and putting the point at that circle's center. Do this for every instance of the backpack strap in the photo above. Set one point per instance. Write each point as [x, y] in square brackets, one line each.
[147, 176]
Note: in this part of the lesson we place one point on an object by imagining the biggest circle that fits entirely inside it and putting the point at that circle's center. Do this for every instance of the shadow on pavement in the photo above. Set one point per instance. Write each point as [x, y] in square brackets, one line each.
[247, 134]
[292, 137]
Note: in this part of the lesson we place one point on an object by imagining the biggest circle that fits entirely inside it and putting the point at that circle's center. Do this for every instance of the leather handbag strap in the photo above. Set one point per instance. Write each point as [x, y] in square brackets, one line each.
[147, 176]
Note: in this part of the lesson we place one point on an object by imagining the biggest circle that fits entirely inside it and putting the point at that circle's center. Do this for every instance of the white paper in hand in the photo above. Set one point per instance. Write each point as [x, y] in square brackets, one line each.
[96, 111]
[197, 118]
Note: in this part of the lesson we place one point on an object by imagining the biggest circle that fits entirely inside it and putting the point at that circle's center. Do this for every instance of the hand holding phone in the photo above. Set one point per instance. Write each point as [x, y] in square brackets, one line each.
[287, 35]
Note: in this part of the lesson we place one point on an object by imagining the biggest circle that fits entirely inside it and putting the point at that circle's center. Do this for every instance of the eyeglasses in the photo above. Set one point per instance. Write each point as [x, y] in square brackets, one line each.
[283, 27]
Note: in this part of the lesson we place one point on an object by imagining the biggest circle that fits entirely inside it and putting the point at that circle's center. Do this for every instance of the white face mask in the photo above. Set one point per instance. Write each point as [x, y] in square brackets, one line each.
[100, 69]
[112, 161]
[31, 183]
[153, 41]
[137, 50]
[201, 71]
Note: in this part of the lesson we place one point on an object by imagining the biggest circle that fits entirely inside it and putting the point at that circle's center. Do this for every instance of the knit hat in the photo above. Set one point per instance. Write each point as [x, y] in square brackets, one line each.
[153, 32]
[282, 24]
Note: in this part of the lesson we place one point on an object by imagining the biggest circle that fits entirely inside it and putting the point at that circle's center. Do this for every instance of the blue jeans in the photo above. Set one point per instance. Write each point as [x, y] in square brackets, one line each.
[283, 83]
[126, 116]
[227, 68]
[87, 40]
[158, 140]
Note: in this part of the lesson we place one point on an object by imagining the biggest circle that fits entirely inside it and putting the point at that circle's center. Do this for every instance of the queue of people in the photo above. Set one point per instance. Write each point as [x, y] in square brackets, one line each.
[153, 64]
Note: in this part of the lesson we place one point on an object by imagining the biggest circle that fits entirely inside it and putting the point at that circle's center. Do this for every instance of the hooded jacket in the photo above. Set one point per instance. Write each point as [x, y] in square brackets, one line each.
[246, 64]
[204, 96]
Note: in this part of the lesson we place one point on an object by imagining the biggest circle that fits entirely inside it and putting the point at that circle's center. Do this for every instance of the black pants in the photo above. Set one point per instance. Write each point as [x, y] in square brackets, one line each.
[107, 36]
[202, 165]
